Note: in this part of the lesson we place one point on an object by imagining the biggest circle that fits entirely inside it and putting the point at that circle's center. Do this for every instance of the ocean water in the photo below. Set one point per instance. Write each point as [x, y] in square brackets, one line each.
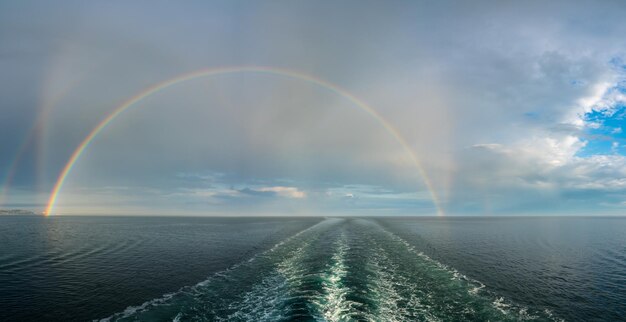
[312, 269]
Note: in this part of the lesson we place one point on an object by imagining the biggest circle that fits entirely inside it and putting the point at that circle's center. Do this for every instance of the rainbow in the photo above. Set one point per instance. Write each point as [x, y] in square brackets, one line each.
[31, 138]
[229, 70]
[26, 143]
[13, 166]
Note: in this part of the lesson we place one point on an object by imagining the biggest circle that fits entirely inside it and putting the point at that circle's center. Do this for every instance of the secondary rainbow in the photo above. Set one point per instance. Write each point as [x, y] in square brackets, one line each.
[228, 70]
[29, 139]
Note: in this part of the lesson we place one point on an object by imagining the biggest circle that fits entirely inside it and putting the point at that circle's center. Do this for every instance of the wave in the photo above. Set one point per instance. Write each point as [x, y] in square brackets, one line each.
[332, 304]
[477, 290]
[198, 289]
[336, 270]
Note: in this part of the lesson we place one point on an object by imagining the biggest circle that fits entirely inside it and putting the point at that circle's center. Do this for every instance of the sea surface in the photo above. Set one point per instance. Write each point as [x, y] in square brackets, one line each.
[312, 269]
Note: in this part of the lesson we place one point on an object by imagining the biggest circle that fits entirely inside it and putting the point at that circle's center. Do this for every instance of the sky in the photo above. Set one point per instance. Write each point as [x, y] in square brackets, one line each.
[330, 107]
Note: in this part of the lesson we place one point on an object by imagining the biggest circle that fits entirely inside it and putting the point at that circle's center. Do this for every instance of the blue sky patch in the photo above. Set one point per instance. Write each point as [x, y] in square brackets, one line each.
[606, 134]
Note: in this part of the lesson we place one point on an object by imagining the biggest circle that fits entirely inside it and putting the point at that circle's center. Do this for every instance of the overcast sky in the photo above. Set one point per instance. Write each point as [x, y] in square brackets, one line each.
[512, 108]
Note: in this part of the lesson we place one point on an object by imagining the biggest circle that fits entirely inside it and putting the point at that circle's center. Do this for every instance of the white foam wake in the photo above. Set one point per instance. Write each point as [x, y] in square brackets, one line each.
[333, 304]
[476, 288]
[163, 300]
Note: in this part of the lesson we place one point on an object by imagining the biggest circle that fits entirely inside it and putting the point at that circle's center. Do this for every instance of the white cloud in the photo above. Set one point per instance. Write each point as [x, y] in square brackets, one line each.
[614, 147]
[288, 192]
[598, 100]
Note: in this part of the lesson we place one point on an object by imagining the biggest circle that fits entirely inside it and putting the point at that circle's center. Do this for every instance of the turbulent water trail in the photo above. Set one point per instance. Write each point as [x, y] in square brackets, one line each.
[337, 270]
[227, 294]
[333, 304]
[266, 301]
[386, 287]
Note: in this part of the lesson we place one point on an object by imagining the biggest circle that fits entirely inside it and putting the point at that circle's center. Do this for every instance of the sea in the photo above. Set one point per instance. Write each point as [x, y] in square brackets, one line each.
[83, 268]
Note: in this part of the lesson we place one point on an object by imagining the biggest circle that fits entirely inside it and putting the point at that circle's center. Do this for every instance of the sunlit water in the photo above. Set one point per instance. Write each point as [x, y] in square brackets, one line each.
[273, 269]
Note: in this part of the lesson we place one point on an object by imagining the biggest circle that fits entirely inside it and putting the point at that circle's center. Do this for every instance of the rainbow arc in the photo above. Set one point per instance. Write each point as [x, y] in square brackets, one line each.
[84, 144]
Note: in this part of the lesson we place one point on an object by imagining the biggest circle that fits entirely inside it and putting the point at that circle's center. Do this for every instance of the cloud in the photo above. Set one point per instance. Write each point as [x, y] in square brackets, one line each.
[284, 192]
[287, 192]
[496, 100]
[536, 177]
[231, 193]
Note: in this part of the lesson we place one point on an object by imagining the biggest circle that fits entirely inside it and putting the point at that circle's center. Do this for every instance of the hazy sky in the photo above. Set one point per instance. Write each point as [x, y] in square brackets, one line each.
[511, 107]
